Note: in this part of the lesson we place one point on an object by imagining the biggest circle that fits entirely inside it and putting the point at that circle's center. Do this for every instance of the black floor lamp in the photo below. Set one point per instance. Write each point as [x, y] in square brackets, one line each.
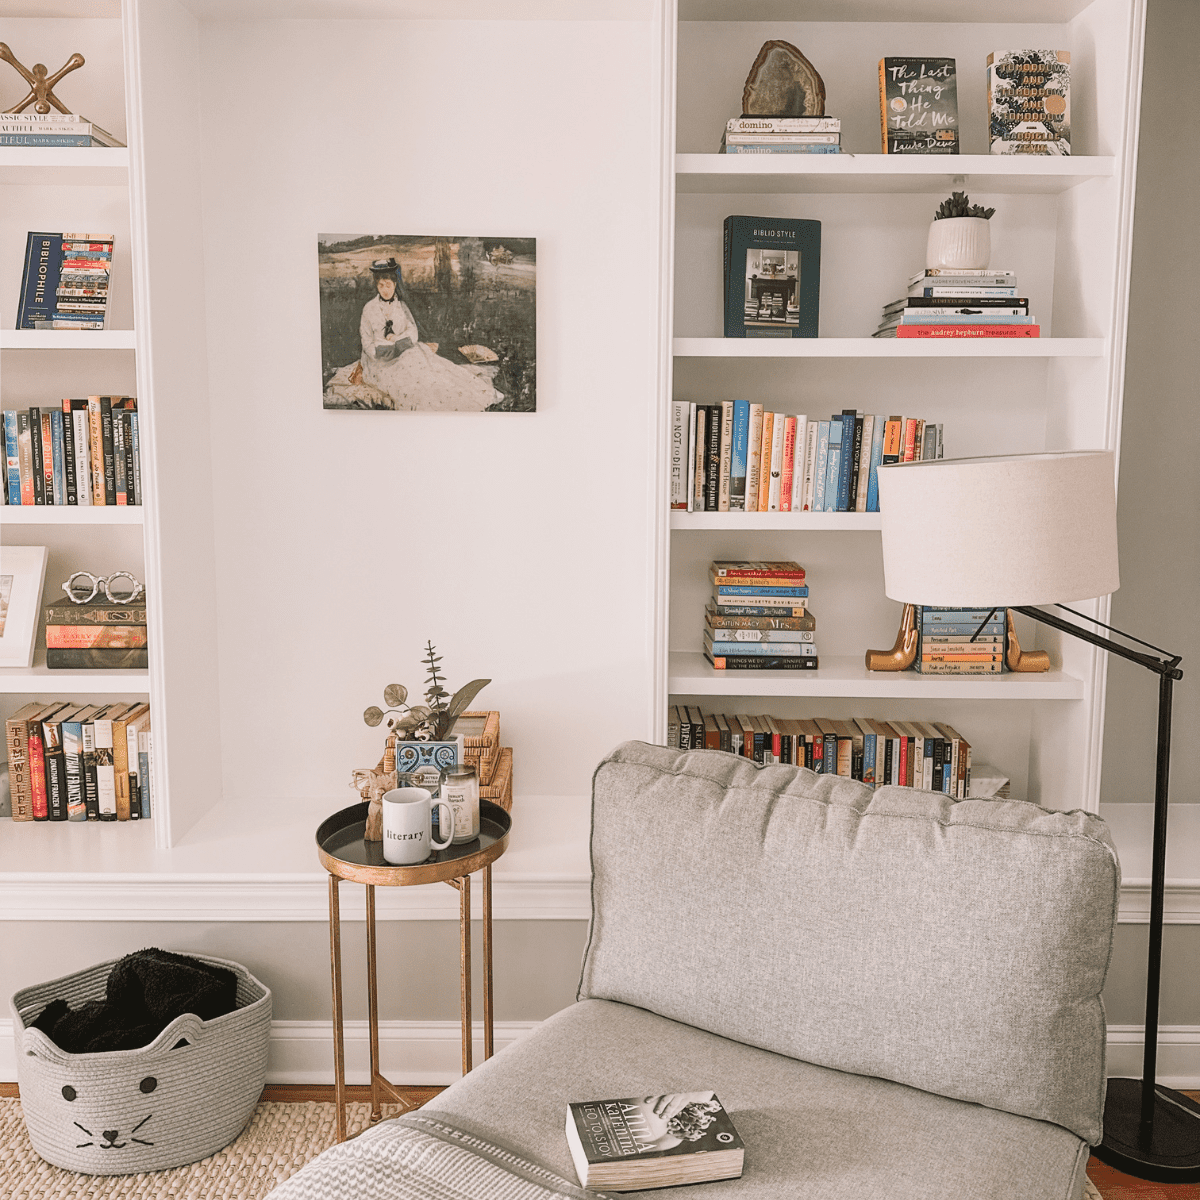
[1015, 532]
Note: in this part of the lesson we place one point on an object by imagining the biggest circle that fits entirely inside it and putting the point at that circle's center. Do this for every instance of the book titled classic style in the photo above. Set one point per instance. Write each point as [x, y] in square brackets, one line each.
[653, 1141]
[772, 277]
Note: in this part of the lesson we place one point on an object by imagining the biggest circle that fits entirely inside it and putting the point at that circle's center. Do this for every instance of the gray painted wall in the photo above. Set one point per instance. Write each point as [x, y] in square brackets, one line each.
[1160, 441]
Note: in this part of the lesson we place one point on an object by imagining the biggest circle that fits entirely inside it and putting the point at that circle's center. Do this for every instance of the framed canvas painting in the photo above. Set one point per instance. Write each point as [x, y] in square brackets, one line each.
[22, 574]
[428, 323]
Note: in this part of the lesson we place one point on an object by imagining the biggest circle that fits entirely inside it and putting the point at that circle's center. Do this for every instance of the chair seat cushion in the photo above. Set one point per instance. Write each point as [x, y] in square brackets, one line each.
[811, 1133]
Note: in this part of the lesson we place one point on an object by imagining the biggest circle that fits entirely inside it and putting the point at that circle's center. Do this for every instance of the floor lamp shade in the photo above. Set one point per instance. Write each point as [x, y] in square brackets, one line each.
[1007, 531]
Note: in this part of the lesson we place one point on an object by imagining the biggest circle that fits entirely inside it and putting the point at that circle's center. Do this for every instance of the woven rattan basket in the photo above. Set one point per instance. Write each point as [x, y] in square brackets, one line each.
[186, 1095]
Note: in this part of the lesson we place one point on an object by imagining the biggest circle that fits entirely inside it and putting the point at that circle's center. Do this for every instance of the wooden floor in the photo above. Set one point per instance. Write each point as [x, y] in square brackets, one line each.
[1113, 1185]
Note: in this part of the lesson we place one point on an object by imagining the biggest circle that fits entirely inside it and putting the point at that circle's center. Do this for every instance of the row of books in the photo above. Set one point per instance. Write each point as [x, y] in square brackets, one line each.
[759, 619]
[737, 457]
[952, 302]
[65, 281]
[922, 754]
[961, 641]
[97, 636]
[782, 135]
[52, 129]
[72, 762]
[84, 451]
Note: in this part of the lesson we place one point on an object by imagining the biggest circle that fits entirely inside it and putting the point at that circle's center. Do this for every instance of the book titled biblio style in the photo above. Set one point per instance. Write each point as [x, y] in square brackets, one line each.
[772, 277]
[653, 1141]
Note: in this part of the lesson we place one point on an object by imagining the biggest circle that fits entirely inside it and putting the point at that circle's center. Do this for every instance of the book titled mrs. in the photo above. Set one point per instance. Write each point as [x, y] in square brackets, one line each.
[772, 277]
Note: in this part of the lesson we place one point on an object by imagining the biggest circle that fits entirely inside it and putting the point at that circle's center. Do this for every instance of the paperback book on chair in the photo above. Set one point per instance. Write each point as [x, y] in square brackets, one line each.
[653, 1141]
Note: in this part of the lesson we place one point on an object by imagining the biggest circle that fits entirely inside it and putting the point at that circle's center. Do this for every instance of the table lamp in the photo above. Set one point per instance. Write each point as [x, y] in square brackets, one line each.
[1012, 532]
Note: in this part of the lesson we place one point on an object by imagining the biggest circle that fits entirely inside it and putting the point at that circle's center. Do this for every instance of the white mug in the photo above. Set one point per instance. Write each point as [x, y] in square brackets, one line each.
[407, 826]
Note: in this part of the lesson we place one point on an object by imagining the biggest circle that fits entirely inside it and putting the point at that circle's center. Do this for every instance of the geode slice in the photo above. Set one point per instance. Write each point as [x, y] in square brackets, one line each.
[783, 83]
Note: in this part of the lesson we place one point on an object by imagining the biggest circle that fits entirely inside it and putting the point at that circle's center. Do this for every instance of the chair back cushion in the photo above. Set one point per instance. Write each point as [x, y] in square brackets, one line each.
[960, 948]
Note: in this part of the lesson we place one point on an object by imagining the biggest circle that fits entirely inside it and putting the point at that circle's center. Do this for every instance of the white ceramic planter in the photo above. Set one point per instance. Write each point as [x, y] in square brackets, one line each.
[964, 243]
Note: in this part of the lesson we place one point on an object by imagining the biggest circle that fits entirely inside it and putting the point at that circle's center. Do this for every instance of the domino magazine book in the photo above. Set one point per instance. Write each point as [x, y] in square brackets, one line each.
[653, 1141]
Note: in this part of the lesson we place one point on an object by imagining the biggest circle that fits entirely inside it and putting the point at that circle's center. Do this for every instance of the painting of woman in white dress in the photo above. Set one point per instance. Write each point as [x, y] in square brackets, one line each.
[429, 324]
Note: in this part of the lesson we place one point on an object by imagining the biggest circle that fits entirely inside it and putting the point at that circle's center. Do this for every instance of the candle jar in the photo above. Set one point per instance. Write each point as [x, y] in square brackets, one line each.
[460, 789]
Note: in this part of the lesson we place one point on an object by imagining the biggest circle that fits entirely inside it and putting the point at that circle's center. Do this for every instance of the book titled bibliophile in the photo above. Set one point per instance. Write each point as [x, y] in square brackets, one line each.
[653, 1141]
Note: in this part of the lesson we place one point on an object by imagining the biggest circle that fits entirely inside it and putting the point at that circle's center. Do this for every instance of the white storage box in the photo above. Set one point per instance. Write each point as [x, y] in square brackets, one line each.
[186, 1095]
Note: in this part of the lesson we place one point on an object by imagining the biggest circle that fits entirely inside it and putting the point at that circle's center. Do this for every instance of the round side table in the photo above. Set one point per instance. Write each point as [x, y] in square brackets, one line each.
[345, 855]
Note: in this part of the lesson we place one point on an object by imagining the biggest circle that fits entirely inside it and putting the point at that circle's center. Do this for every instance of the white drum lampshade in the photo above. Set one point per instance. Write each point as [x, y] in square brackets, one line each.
[1007, 531]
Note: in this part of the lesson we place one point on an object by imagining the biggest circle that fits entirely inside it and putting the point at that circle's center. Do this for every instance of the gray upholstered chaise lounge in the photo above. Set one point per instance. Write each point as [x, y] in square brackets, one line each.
[892, 994]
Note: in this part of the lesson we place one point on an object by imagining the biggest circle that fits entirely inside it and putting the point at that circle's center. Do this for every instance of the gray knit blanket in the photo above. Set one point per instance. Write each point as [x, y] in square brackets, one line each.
[417, 1157]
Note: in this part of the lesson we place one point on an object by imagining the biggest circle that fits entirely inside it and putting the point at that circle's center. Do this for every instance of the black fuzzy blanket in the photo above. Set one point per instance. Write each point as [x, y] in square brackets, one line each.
[146, 991]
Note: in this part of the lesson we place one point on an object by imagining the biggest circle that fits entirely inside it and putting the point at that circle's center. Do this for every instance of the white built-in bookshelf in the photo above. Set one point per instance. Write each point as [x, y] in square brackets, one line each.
[1063, 224]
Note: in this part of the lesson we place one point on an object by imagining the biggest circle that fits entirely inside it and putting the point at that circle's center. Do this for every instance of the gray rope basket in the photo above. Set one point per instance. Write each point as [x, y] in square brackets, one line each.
[186, 1095]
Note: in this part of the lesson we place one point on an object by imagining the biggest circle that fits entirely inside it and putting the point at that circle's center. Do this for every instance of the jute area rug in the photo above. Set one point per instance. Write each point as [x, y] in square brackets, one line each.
[279, 1140]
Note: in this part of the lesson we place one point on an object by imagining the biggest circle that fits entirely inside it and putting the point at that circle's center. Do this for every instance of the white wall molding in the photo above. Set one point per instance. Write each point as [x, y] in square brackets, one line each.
[429, 1053]
[78, 898]
[1181, 904]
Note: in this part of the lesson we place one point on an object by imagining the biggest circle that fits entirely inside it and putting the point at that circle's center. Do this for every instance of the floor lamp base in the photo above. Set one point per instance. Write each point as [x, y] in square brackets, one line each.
[1173, 1155]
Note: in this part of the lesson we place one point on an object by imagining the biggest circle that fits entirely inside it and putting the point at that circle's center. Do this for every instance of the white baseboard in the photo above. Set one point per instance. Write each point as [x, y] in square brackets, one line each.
[429, 1053]
[1178, 1054]
[421, 1053]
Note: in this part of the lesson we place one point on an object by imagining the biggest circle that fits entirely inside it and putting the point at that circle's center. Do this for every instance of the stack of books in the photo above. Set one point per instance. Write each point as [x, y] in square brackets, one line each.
[961, 641]
[97, 636]
[923, 754]
[737, 457]
[758, 619]
[959, 303]
[65, 281]
[72, 762]
[52, 129]
[782, 135]
[80, 451]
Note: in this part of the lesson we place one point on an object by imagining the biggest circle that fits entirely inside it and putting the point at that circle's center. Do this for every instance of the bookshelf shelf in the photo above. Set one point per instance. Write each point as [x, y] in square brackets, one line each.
[845, 676]
[40, 680]
[743, 522]
[64, 166]
[67, 339]
[888, 348]
[87, 514]
[880, 174]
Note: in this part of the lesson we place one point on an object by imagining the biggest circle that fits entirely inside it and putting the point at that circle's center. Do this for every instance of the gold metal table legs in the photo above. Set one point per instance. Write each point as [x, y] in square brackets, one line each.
[381, 1089]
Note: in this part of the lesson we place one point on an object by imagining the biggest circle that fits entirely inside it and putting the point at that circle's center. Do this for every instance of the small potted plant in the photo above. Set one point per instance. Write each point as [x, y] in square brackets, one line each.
[959, 235]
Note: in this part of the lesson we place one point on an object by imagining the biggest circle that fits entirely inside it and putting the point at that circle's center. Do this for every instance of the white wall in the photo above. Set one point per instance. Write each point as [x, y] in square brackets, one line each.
[518, 543]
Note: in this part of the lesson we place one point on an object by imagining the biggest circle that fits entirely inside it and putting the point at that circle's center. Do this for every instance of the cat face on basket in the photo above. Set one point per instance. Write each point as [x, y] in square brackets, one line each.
[137, 1131]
